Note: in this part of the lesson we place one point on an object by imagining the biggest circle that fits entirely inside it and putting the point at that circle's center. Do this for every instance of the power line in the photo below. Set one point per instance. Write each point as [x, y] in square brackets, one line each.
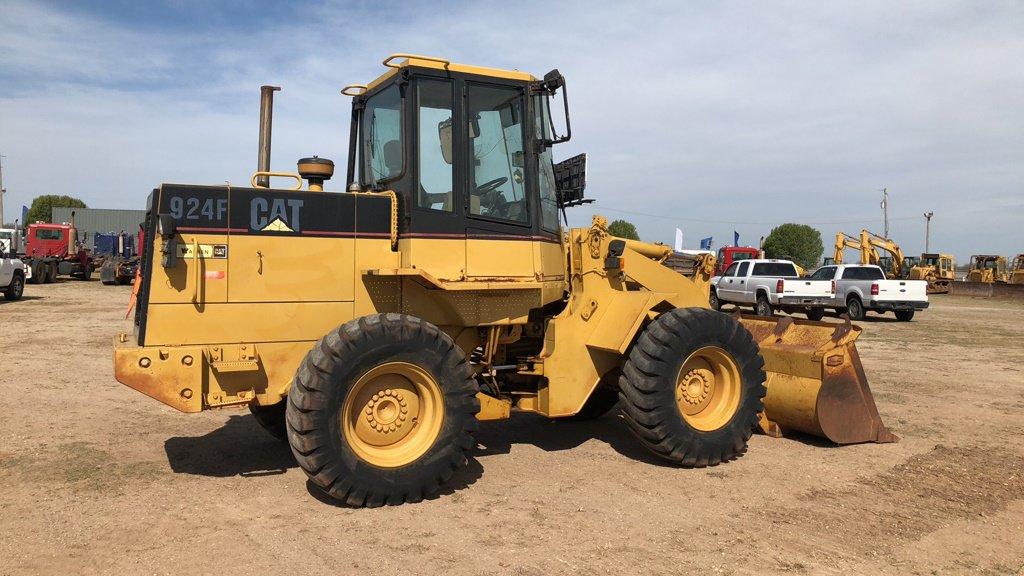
[749, 223]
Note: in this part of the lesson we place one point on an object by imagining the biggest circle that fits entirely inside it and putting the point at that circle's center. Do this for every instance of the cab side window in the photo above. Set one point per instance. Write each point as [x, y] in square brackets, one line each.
[435, 165]
[743, 269]
[731, 270]
[496, 157]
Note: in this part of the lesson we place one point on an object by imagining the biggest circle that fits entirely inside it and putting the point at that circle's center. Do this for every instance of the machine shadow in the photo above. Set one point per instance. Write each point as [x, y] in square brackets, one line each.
[552, 435]
[239, 448]
[24, 297]
[462, 478]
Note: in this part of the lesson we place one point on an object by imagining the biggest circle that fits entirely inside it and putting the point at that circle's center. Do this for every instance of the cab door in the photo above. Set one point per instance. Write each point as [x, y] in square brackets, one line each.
[728, 284]
[499, 225]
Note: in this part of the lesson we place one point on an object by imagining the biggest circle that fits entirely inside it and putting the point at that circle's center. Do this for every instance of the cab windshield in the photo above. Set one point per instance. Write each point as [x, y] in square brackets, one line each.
[381, 147]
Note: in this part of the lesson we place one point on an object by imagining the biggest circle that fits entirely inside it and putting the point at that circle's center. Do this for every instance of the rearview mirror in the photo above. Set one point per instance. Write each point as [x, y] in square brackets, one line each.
[444, 133]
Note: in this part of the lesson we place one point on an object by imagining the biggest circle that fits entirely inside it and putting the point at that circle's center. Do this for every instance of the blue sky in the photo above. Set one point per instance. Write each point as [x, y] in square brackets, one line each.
[709, 116]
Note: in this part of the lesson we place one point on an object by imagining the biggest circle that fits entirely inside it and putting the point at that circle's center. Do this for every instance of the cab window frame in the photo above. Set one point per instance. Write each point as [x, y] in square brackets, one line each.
[456, 203]
[530, 189]
[401, 84]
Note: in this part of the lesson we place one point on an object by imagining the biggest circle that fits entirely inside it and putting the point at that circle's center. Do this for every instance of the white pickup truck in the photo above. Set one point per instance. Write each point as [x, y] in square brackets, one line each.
[13, 274]
[859, 288]
[770, 285]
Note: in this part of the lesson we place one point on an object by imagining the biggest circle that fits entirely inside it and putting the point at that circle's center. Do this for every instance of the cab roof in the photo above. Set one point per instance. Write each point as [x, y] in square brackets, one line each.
[396, 62]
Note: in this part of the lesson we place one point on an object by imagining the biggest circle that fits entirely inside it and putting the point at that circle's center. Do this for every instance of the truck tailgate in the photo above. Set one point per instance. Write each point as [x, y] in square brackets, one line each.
[901, 290]
[799, 287]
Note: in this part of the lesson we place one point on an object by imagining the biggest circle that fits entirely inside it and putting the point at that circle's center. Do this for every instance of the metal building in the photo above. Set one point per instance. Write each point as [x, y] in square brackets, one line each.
[89, 221]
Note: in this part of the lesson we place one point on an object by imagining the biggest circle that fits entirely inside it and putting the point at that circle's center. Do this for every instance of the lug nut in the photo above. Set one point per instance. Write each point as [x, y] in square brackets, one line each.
[186, 393]
[187, 360]
[144, 362]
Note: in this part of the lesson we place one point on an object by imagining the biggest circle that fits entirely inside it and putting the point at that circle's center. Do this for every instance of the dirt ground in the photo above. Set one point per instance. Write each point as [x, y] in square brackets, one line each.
[97, 478]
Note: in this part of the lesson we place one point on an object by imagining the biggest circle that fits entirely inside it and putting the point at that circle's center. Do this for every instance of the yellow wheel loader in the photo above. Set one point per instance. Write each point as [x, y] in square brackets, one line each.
[373, 328]
[939, 270]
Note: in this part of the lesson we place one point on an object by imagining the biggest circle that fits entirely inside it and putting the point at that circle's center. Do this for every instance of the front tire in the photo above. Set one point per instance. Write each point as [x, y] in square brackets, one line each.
[815, 314]
[693, 386]
[382, 410]
[16, 289]
[904, 315]
[713, 301]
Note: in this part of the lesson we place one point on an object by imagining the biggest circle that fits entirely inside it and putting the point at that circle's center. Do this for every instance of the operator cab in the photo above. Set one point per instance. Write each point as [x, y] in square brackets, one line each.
[466, 149]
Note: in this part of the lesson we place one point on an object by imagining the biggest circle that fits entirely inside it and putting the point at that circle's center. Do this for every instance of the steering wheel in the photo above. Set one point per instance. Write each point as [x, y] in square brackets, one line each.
[490, 185]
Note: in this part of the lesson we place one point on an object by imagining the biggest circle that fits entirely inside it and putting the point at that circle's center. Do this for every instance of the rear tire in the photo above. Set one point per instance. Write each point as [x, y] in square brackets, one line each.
[38, 274]
[904, 315]
[704, 415]
[713, 301]
[271, 418]
[763, 307]
[815, 314]
[855, 308]
[418, 396]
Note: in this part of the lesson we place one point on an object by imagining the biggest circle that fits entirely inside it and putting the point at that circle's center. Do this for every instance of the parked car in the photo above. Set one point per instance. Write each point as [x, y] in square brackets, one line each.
[860, 288]
[770, 285]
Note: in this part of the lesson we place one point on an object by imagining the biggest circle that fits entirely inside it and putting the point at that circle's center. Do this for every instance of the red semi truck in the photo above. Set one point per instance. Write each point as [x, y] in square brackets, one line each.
[53, 250]
[729, 254]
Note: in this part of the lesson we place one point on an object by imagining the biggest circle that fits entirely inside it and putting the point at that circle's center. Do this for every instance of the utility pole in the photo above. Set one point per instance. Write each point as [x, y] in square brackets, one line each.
[927, 229]
[885, 210]
[2, 191]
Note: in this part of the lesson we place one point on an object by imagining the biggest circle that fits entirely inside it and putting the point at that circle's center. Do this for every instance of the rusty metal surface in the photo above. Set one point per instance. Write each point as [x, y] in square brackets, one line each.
[173, 376]
[816, 383]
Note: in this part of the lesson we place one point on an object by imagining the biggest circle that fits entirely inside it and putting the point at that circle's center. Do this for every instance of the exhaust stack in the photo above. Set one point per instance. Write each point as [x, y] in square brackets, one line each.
[266, 119]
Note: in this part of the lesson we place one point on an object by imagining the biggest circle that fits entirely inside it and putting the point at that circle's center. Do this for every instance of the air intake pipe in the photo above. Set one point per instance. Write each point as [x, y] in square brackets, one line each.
[266, 119]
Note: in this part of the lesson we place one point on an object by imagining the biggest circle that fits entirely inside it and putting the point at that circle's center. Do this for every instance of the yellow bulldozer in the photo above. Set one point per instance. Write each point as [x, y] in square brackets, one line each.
[988, 268]
[373, 328]
[1017, 270]
[939, 270]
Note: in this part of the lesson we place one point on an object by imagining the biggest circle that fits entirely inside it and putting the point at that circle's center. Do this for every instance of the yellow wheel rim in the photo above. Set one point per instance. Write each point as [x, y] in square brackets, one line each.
[393, 414]
[708, 388]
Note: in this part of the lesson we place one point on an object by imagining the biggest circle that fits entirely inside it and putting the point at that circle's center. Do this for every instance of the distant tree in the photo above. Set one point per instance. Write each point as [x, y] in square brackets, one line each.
[42, 207]
[623, 229]
[797, 242]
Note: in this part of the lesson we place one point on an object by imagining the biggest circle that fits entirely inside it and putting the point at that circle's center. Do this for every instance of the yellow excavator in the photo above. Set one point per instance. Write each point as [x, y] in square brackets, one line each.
[844, 241]
[939, 270]
[373, 327]
[988, 269]
[867, 245]
[893, 265]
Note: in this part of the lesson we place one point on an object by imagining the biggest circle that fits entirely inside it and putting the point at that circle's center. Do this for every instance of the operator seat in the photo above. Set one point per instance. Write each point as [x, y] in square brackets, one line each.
[393, 158]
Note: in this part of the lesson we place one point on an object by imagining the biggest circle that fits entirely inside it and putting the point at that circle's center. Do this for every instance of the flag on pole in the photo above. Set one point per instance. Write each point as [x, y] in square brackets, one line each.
[705, 243]
[679, 240]
[24, 216]
[735, 238]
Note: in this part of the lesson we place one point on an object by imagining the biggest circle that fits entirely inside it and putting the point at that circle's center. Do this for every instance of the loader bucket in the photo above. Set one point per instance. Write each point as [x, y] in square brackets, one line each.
[815, 381]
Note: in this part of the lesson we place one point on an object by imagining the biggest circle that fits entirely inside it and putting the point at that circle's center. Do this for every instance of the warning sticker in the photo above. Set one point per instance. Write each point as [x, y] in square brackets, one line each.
[217, 251]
